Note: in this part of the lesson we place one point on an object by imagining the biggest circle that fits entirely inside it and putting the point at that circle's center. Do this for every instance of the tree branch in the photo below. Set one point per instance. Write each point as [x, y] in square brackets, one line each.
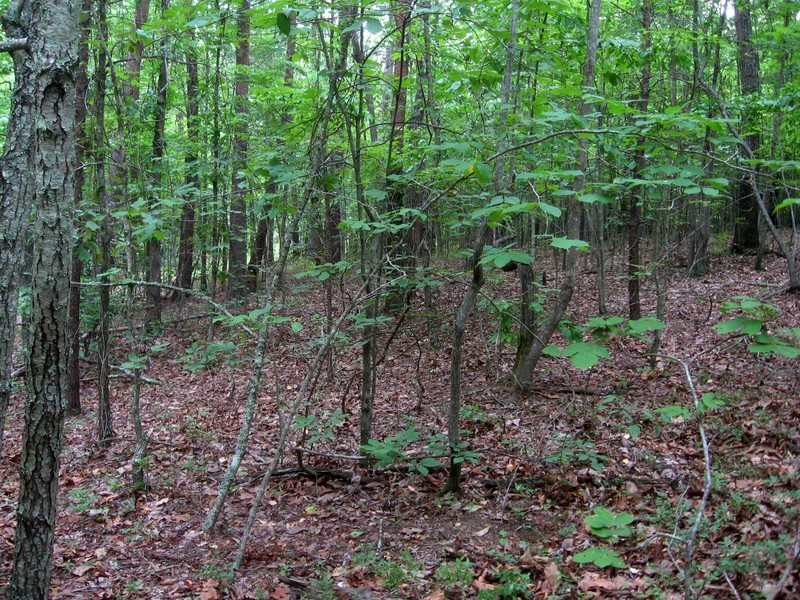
[13, 44]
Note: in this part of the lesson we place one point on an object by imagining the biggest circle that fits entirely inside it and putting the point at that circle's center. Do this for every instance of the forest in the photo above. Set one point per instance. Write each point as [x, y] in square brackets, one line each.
[423, 299]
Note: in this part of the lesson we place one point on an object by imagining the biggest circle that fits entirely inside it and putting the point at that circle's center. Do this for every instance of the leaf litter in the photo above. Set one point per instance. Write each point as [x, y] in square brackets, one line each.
[341, 529]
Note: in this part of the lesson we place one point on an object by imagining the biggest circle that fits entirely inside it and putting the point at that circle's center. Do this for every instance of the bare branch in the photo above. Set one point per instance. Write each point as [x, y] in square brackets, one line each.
[13, 44]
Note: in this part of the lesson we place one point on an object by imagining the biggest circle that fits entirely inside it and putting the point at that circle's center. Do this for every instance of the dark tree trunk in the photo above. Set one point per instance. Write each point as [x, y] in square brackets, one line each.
[746, 238]
[192, 178]
[453, 484]
[639, 193]
[106, 203]
[159, 148]
[53, 38]
[81, 96]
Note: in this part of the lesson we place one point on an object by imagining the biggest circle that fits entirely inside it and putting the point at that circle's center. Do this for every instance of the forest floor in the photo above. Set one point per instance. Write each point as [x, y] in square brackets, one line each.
[580, 441]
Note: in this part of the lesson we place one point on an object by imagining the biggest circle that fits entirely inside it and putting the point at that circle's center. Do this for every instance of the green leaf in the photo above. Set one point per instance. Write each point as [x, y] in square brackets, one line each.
[283, 23]
[566, 243]
[483, 172]
[583, 355]
[672, 411]
[600, 556]
[786, 204]
[645, 324]
[549, 209]
[591, 198]
[744, 325]
[770, 344]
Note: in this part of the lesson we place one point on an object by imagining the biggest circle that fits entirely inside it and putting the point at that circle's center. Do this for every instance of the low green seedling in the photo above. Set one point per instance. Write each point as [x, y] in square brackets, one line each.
[610, 527]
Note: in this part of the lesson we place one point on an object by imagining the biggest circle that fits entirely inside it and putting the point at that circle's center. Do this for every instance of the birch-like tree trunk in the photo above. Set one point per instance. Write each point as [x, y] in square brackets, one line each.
[15, 195]
[53, 39]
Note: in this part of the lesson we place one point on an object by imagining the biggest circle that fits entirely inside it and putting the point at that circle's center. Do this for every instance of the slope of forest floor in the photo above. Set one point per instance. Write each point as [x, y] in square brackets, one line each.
[579, 442]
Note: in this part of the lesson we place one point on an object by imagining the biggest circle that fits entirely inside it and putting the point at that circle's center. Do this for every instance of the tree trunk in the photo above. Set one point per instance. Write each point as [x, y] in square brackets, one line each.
[153, 292]
[746, 239]
[105, 202]
[192, 178]
[453, 484]
[238, 207]
[15, 197]
[54, 34]
[524, 373]
[639, 193]
[81, 139]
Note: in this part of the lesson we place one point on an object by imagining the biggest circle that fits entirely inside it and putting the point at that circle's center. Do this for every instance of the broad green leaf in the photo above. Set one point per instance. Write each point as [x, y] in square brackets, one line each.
[566, 243]
[600, 556]
[786, 204]
[672, 411]
[744, 325]
[645, 324]
[591, 198]
[283, 23]
[549, 209]
[770, 344]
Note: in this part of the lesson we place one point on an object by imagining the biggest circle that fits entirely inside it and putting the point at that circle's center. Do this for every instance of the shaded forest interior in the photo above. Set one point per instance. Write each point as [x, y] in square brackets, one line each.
[399, 300]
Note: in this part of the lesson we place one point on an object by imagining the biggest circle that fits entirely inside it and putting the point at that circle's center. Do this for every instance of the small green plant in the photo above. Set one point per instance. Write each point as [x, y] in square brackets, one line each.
[322, 589]
[82, 499]
[209, 571]
[202, 355]
[196, 431]
[752, 320]
[457, 574]
[577, 450]
[395, 449]
[513, 584]
[610, 527]
[600, 556]
[320, 428]
[132, 586]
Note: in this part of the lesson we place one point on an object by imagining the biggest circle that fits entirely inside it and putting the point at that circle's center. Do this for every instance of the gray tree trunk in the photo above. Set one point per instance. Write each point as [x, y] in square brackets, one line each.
[238, 208]
[54, 35]
[15, 197]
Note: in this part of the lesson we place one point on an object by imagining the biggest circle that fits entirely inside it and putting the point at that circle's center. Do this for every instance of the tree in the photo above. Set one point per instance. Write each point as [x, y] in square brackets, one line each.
[238, 208]
[53, 34]
[746, 234]
[15, 194]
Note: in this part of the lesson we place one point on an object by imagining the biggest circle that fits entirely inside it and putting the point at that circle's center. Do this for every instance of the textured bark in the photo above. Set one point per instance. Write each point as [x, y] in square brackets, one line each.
[637, 198]
[81, 89]
[238, 210]
[746, 235]
[159, 149]
[192, 179]
[105, 429]
[54, 34]
[15, 197]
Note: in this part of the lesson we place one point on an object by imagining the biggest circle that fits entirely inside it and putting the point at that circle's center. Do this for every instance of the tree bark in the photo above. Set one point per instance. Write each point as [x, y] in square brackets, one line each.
[453, 484]
[238, 209]
[192, 178]
[638, 194]
[54, 35]
[15, 196]
[81, 139]
[746, 239]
